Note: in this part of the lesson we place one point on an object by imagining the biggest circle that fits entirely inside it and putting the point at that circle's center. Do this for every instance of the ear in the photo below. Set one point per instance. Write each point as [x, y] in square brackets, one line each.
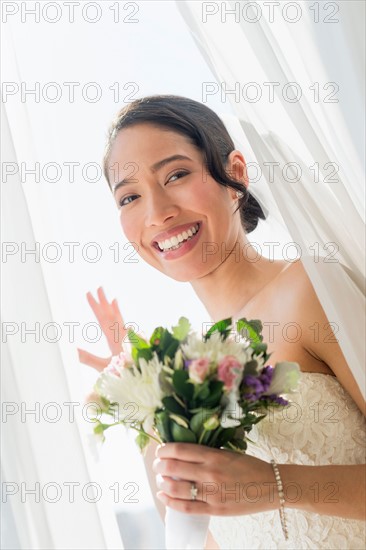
[236, 168]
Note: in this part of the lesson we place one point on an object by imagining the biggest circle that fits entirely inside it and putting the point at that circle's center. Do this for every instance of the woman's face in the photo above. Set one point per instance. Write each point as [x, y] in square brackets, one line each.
[168, 194]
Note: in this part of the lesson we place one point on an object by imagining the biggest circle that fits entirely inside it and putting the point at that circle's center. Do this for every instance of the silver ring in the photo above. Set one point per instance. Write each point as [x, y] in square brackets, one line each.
[194, 491]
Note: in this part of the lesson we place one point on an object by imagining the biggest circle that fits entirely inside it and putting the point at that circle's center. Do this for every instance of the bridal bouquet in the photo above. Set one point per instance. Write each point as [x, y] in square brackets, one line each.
[180, 386]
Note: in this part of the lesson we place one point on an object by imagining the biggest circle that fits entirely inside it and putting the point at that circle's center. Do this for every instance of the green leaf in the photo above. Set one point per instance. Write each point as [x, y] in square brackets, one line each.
[156, 336]
[201, 391]
[137, 341]
[181, 385]
[224, 437]
[162, 424]
[181, 434]
[142, 440]
[261, 348]
[239, 443]
[166, 340]
[198, 419]
[215, 393]
[224, 327]
[250, 329]
[172, 405]
[145, 353]
[181, 331]
[99, 429]
[172, 348]
[179, 419]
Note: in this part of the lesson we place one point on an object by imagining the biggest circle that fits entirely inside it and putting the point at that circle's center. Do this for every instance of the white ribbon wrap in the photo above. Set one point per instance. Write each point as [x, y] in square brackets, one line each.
[185, 531]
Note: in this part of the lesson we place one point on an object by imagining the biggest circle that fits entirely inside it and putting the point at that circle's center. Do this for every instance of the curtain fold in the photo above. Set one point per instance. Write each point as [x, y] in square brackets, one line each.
[42, 458]
[320, 202]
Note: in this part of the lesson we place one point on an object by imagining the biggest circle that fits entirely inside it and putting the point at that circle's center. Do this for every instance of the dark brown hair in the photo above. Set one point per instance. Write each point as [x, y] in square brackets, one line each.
[203, 127]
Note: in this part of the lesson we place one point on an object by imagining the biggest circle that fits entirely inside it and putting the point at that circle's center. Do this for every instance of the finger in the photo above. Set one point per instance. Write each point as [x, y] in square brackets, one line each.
[118, 316]
[186, 506]
[92, 301]
[98, 363]
[177, 468]
[102, 297]
[116, 310]
[190, 452]
[178, 488]
[100, 310]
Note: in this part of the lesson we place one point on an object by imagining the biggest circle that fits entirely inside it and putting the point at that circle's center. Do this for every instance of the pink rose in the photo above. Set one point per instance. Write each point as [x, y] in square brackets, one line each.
[120, 361]
[229, 371]
[198, 369]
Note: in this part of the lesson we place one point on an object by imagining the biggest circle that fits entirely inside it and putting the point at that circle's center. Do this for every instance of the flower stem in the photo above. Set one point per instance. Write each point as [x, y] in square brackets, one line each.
[202, 436]
[148, 435]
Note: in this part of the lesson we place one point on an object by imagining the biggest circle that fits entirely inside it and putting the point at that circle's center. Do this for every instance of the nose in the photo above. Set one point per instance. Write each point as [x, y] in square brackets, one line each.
[160, 208]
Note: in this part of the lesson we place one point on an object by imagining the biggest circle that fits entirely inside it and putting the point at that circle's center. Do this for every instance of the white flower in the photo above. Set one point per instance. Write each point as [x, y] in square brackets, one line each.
[214, 348]
[137, 394]
[285, 378]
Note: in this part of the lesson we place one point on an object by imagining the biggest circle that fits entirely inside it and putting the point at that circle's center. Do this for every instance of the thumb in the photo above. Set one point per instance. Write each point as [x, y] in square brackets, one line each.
[98, 363]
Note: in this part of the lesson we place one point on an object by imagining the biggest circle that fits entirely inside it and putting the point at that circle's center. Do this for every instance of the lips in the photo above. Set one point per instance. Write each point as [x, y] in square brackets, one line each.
[184, 247]
[172, 233]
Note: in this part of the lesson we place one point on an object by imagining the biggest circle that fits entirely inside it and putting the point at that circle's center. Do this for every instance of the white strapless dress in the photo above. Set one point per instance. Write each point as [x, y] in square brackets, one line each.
[322, 426]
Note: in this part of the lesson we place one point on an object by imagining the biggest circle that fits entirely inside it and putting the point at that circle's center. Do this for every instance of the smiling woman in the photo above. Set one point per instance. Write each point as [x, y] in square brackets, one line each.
[187, 195]
[170, 149]
[201, 127]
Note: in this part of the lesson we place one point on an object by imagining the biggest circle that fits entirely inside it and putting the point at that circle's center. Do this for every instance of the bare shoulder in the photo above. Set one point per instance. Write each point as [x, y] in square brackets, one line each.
[292, 286]
[295, 274]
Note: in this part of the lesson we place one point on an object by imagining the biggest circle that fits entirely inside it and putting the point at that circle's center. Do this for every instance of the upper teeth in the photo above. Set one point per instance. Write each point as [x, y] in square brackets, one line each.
[169, 243]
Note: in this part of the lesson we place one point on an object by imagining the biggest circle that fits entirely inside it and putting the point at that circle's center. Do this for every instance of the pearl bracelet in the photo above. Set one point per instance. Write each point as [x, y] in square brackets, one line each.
[282, 498]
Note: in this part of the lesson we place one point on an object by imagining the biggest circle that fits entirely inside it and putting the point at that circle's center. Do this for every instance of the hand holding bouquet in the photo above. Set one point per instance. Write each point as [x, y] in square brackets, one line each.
[180, 387]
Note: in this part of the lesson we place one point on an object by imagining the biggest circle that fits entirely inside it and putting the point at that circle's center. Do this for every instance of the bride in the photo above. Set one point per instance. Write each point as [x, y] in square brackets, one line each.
[182, 192]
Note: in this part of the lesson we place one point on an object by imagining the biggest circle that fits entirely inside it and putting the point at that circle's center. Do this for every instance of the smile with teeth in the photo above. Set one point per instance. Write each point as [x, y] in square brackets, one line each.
[178, 240]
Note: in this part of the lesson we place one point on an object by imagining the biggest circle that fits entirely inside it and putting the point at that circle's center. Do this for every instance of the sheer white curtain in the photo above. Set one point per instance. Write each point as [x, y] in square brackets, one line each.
[55, 491]
[293, 79]
[37, 469]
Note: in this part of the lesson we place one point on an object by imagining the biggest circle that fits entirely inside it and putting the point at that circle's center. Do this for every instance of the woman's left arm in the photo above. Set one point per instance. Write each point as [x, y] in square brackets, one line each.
[232, 484]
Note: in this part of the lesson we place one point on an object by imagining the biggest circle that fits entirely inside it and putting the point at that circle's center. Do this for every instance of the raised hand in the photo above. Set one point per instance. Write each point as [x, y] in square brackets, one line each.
[112, 324]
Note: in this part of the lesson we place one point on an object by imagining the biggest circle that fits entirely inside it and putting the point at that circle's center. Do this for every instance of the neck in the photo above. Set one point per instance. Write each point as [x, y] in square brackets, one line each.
[230, 286]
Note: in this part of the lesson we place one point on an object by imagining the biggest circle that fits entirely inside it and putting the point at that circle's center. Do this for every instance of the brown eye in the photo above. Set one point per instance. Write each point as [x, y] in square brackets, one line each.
[122, 202]
[178, 174]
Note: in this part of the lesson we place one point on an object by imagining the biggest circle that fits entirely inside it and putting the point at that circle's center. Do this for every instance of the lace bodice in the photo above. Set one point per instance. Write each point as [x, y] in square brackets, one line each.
[321, 426]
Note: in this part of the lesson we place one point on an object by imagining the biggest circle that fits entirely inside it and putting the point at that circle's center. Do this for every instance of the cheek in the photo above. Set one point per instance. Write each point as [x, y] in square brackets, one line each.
[206, 197]
[128, 227]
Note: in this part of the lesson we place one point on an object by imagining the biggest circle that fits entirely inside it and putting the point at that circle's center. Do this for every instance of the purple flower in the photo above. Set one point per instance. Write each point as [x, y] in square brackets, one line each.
[276, 399]
[186, 363]
[255, 386]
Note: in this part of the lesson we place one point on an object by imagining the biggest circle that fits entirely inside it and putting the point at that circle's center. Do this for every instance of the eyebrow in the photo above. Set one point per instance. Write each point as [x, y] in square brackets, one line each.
[154, 168]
